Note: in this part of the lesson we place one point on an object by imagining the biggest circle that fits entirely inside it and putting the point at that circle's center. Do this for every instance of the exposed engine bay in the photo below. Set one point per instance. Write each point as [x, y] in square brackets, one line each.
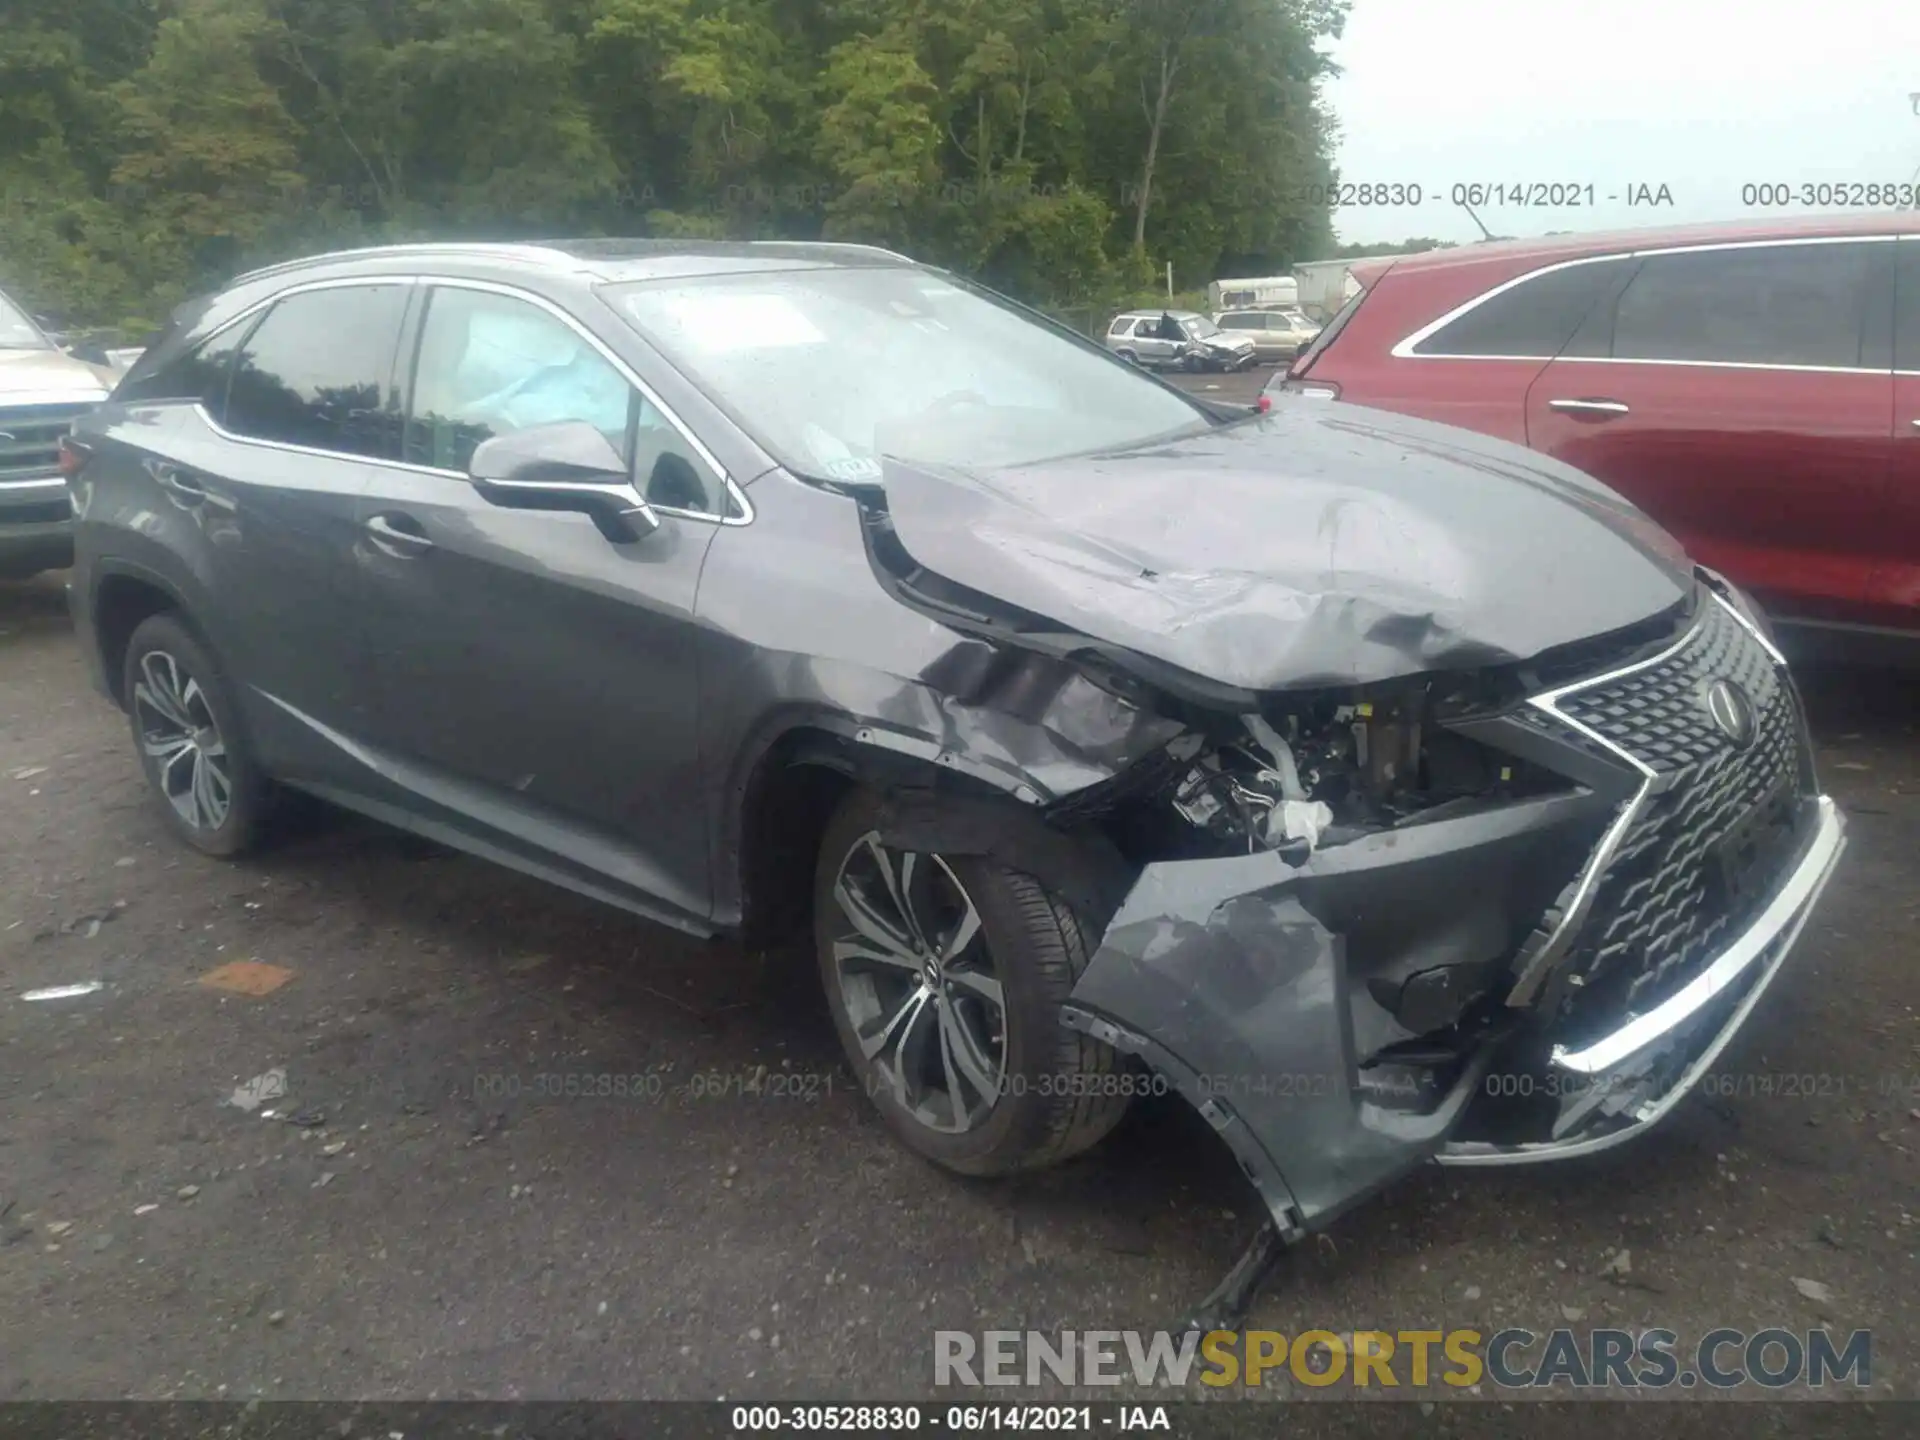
[1308, 772]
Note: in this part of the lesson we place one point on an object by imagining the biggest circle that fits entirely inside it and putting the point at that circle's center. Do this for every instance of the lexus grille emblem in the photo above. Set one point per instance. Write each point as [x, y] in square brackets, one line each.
[1732, 711]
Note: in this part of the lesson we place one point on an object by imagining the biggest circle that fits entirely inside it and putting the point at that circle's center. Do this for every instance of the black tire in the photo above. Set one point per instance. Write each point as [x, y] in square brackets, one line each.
[1128, 356]
[164, 645]
[1058, 1092]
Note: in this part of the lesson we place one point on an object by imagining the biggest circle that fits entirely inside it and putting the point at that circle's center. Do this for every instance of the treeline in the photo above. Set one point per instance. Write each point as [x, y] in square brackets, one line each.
[1063, 150]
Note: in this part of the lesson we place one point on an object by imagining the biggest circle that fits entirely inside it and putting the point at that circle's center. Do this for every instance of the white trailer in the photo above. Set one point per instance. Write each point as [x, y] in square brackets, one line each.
[1262, 293]
[1325, 285]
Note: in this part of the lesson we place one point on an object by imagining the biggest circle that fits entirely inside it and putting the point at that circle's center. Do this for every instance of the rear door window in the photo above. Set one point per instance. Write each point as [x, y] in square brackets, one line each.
[318, 372]
[1532, 320]
[1796, 305]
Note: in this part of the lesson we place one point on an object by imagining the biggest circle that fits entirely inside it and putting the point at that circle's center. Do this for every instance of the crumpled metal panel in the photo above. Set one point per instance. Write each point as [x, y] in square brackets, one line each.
[792, 644]
[1245, 982]
[1318, 545]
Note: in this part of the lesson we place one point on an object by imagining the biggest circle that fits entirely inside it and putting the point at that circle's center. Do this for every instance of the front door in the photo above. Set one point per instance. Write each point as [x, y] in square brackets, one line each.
[537, 682]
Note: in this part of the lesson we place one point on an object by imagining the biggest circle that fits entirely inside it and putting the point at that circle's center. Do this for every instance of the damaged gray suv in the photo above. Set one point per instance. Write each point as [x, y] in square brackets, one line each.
[1391, 793]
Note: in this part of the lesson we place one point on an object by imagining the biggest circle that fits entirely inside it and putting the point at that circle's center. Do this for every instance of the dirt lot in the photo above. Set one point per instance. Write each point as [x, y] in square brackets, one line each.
[416, 1222]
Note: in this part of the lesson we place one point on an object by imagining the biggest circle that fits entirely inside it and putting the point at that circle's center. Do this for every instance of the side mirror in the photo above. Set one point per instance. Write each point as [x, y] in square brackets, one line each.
[91, 351]
[568, 466]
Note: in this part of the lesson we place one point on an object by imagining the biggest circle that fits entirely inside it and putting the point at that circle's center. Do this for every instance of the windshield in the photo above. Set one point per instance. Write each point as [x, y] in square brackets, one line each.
[1200, 327]
[832, 369]
[17, 332]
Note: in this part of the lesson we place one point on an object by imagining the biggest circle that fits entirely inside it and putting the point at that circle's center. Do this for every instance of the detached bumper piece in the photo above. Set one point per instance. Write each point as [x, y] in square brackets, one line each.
[1538, 979]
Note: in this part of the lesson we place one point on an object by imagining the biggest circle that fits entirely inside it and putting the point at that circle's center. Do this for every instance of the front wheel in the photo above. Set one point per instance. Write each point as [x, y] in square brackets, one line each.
[945, 976]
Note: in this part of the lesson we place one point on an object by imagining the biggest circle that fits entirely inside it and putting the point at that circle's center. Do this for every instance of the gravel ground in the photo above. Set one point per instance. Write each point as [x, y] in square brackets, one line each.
[416, 1221]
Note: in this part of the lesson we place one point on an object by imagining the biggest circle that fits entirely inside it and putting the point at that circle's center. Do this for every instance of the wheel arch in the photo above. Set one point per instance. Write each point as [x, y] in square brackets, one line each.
[123, 596]
[787, 790]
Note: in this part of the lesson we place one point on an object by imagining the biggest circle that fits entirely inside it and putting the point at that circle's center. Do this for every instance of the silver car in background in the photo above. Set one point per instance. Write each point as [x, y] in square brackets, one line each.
[1177, 339]
[43, 390]
[1278, 334]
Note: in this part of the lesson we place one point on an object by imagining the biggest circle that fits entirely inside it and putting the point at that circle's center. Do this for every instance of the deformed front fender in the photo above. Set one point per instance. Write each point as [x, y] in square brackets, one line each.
[1253, 987]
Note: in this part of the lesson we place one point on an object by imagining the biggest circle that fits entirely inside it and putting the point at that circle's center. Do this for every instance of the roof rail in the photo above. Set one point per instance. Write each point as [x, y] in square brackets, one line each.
[427, 247]
[836, 245]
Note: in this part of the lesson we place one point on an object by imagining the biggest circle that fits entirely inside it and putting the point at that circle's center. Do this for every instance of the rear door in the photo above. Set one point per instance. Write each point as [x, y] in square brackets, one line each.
[1741, 395]
[1472, 366]
[538, 685]
[1895, 597]
[307, 414]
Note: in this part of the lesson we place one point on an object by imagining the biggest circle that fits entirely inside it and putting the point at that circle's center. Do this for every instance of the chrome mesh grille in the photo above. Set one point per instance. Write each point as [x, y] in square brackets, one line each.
[1712, 838]
[30, 439]
[1659, 715]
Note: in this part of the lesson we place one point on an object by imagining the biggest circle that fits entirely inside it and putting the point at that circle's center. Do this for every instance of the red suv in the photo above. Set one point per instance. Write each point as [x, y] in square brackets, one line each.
[1755, 388]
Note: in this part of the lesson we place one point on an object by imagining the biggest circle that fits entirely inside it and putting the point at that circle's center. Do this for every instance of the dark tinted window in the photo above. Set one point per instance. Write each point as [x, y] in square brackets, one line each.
[197, 374]
[319, 372]
[1906, 308]
[1772, 305]
[1243, 322]
[1533, 319]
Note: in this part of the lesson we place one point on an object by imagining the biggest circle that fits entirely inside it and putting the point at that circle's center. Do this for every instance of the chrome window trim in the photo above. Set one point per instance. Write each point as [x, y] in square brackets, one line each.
[1405, 349]
[1526, 985]
[735, 494]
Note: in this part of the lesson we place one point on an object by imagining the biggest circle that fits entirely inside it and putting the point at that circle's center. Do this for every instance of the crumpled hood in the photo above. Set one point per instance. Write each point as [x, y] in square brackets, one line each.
[1322, 544]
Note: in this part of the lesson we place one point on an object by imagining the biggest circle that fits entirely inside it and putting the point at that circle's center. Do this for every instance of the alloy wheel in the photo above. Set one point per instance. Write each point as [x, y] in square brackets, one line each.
[918, 984]
[179, 735]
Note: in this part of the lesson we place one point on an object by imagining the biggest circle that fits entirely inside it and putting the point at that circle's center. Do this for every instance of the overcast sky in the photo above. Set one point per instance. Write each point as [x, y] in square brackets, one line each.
[1703, 96]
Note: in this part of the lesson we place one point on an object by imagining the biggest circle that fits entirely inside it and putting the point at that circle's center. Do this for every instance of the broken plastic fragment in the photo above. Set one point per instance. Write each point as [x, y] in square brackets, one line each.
[64, 992]
[268, 1085]
[1300, 820]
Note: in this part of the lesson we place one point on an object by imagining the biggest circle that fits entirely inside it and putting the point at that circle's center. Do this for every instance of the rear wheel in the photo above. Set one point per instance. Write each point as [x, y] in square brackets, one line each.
[186, 733]
[1128, 356]
[946, 975]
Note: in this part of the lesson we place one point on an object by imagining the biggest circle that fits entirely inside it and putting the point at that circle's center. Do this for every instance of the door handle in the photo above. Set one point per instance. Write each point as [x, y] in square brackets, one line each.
[1600, 408]
[390, 539]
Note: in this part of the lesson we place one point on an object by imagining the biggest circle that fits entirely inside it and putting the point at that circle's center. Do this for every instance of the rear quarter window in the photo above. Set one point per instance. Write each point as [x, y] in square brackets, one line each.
[1531, 320]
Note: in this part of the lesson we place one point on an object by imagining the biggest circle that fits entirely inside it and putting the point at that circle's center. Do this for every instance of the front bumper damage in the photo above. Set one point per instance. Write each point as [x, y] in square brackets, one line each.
[1270, 993]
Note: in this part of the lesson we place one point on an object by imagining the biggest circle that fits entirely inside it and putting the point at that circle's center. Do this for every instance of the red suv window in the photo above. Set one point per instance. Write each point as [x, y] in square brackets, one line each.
[1530, 320]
